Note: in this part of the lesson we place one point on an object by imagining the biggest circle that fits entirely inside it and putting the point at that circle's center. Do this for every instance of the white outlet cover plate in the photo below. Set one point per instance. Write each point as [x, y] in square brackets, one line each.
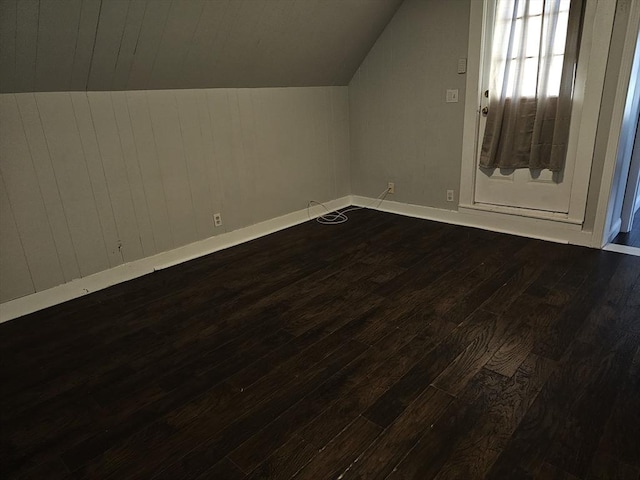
[452, 96]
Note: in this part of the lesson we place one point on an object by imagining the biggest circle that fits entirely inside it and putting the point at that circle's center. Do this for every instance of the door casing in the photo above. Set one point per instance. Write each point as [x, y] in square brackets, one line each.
[594, 52]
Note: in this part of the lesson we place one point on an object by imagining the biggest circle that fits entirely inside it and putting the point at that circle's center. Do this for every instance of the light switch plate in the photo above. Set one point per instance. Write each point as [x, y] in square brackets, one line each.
[462, 65]
[452, 96]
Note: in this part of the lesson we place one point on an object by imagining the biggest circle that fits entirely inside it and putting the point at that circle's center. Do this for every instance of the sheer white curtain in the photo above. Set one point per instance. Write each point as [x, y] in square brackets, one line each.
[535, 51]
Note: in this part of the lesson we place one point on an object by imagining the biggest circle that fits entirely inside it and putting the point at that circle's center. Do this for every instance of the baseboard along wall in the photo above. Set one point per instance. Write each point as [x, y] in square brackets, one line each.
[128, 271]
[497, 222]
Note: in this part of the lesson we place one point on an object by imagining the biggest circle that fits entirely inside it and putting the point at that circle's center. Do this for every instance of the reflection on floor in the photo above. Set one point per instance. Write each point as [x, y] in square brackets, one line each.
[632, 238]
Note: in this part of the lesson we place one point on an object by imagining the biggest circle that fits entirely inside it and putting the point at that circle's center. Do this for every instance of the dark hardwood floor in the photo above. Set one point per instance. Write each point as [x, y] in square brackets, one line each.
[386, 347]
[632, 238]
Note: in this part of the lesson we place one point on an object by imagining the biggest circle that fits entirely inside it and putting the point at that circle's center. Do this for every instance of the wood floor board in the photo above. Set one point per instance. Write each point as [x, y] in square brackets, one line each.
[436, 261]
[255, 450]
[212, 432]
[563, 330]
[215, 362]
[223, 397]
[530, 443]
[223, 442]
[390, 316]
[576, 441]
[320, 337]
[549, 472]
[394, 401]
[457, 284]
[618, 439]
[129, 414]
[525, 316]
[379, 460]
[605, 466]
[551, 275]
[38, 440]
[509, 401]
[508, 358]
[511, 290]
[226, 469]
[457, 374]
[53, 469]
[342, 452]
[447, 287]
[482, 292]
[330, 422]
[427, 456]
[285, 461]
[384, 347]
[120, 425]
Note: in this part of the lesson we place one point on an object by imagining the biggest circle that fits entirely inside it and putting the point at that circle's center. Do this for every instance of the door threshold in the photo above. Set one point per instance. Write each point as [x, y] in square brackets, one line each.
[626, 249]
[523, 212]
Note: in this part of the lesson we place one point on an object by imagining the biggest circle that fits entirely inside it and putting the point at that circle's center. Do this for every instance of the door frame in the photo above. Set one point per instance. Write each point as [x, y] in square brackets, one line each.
[631, 203]
[614, 156]
[630, 148]
[598, 18]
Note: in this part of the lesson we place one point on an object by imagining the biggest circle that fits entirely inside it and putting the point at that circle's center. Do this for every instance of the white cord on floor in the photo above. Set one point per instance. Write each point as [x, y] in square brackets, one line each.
[334, 217]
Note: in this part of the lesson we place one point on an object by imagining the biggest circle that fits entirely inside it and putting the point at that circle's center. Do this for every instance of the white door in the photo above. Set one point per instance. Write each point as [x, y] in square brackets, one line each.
[523, 188]
[540, 190]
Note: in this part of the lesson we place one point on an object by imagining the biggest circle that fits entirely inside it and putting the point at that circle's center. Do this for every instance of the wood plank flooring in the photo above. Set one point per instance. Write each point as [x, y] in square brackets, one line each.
[385, 347]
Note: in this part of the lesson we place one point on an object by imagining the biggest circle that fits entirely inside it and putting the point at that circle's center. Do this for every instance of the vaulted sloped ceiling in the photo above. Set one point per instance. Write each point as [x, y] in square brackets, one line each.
[67, 45]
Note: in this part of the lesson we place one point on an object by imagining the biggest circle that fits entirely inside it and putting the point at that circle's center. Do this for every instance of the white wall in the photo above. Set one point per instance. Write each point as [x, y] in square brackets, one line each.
[401, 128]
[89, 181]
[76, 45]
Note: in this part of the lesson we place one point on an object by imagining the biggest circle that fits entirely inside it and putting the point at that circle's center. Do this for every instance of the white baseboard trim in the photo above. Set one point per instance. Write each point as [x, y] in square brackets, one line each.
[497, 222]
[612, 247]
[615, 230]
[98, 281]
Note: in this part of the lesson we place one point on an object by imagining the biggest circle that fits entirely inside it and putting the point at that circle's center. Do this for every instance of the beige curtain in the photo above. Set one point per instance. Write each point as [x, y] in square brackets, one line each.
[532, 76]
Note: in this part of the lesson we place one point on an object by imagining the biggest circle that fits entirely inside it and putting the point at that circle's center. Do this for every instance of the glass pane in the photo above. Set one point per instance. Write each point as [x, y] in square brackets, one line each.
[524, 62]
[511, 83]
[517, 40]
[535, 7]
[555, 75]
[561, 33]
[533, 36]
[529, 79]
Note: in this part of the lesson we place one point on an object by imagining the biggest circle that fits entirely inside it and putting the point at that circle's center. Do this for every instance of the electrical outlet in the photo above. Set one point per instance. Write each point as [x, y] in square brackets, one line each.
[391, 187]
[217, 219]
[449, 195]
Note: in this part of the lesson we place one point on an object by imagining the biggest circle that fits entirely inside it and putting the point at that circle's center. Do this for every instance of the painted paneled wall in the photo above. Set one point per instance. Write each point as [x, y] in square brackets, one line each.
[89, 181]
[75, 45]
[401, 128]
